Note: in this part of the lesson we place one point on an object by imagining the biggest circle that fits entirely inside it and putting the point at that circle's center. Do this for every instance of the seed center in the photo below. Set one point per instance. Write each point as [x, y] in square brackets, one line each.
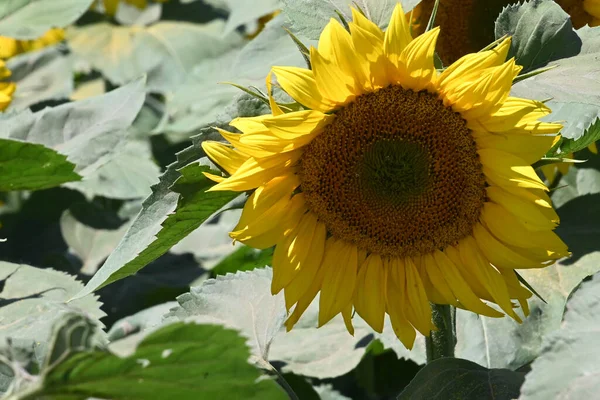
[395, 173]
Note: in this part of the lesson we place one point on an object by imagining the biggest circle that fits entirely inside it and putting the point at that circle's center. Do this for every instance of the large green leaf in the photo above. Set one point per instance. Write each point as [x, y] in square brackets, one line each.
[242, 301]
[32, 300]
[40, 76]
[573, 87]
[29, 19]
[203, 98]
[456, 379]
[309, 17]
[29, 166]
[86, 131]
[90, 245]
[568, 366]
[179, 212]
[167, 51]
[502, 342]
[541, 32]
[178, 361]
[242, 12]
[243, 259]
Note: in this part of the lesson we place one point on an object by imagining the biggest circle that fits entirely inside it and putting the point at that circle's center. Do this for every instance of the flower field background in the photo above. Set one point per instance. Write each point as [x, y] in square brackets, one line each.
[118, 279]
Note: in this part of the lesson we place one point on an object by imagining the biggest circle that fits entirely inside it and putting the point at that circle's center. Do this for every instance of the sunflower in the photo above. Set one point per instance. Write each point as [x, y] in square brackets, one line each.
[396, 185]
[6, 88]
[468, 25]
[10, 47]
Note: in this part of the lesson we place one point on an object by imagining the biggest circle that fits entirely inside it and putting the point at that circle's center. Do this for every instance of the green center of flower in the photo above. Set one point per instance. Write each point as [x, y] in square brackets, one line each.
[396, 173]
[395, 170]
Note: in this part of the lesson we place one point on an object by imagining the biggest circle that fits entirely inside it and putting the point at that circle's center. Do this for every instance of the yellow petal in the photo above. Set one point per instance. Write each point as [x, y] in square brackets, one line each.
[305, 243]
[235, 140]
[530, 148]
[530, 215]
[500, 255]
[369, 298]
[514, 113]
[255, 172]
[359, 20]
[470, 66]
[418, 312]
[371, 47]
[275, 109]
[300, 126]
[429, 265]
[224, 156]
[396, 302]
[460, 287]
[397, 36]
[417, 62]
[340, 266]
[347, 315]
[331, 81]
[335, 45]
[301, 85]
[489, 277]
[505, 169]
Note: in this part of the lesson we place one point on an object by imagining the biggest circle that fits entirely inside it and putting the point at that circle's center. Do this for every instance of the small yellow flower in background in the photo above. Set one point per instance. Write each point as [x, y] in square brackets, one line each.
[468, 25]
[397, 185]
[6, 88]
[10, 47]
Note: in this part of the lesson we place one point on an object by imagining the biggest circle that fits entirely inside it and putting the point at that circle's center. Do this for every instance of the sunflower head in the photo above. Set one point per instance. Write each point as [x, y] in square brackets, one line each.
[396, 185]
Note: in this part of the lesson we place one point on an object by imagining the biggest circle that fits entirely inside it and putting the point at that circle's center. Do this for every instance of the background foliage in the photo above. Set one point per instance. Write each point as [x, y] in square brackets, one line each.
[118, 279]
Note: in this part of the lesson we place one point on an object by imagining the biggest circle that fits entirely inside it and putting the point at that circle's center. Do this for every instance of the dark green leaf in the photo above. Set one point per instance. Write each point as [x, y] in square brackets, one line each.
[243, 259]
[29, 166]
[456, 379]
[541, 32]
[591, 135]
[179, 361]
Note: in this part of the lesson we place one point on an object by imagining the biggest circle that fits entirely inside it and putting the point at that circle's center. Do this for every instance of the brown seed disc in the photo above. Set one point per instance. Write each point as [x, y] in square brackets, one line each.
[396, 173]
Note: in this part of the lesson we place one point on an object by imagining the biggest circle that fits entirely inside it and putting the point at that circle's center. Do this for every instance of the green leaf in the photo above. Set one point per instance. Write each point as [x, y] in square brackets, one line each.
[140, 321]
[325, 352]
[203, 100]
[193, 206]
[167, 51]
[541, 32]
[243, 12]
[456, 379]
[29, 166]
[243, 259]
[40, 76]
[568, 366]
[309, 17]
[178, 361]
[86, 131]
[580, 222]
[90, 245]
[33, 300]
[242, 301]
[29, 19]
[573, 86]
[504, 343]
[591, 135]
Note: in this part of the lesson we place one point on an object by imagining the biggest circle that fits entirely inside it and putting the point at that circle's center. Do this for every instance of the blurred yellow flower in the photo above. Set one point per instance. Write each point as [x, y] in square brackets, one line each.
[396, 185]
[6, 88]
[10, 47]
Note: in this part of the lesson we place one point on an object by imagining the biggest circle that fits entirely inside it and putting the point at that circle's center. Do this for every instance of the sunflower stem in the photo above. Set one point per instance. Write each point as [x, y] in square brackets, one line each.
[441, 342]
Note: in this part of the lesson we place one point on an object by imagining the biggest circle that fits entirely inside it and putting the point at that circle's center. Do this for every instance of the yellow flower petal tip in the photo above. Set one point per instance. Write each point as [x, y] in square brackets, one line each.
[382, 197]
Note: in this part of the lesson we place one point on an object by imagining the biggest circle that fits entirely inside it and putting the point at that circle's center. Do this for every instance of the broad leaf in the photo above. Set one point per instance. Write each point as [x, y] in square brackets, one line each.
[182, 361]
[242, 301]
[309, 17]
[191, 204]
[573, 87]
[456, 379]
[140, 321]
[29, 19]
[580, 217]
[325, 352]
[591, 135]
[541, 32]
[32, 300]
[90, 245]
[502, 342]
[85, 131]
[243, 259]
[568, 366]
[242, 12]
[167, 51]
[29, 166]
[40, 76]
